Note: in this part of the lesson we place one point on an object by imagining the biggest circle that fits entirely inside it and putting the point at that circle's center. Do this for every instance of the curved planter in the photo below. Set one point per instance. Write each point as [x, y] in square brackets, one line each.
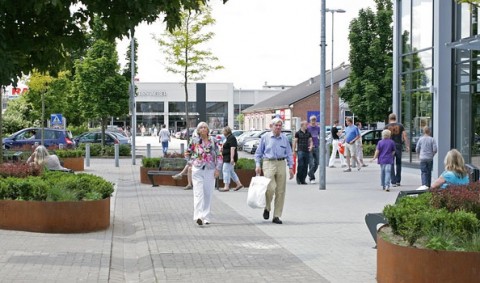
[74, 163]
[55, 217]
[407, 264]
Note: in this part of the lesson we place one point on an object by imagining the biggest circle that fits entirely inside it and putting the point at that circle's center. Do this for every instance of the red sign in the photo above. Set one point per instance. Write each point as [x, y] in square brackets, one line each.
[282, 114]
[18, 91]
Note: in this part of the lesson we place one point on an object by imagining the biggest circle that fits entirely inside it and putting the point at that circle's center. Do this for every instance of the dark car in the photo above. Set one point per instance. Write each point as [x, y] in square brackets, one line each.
[371, 136]
[111, 138]
[52, 138]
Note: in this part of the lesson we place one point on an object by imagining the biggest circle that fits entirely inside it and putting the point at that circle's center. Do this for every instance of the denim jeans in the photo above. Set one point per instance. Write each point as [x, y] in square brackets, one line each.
[229, 173]
[396, 171]
[302, 165]
[313, 163]
[385, 175]
[426, 169]
[165, 147]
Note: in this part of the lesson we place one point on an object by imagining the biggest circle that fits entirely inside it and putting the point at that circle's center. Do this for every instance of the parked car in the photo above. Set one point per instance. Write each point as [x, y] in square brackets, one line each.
[243, 138]
[251, 145]
[183, 133]
[258, 136]
[237, 133]
[371, 136]
[111, 138]
[32, 136]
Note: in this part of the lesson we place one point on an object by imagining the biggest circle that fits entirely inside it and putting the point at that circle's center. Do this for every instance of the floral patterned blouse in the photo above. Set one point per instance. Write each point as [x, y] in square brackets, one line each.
[207, 156]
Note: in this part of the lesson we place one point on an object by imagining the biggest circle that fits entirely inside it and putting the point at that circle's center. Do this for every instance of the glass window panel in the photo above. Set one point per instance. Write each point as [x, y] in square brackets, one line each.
[179, 106]
[422, 24]
[405, 26]
[465, 21]
[421, 79]
[423, 59]
[150, 107]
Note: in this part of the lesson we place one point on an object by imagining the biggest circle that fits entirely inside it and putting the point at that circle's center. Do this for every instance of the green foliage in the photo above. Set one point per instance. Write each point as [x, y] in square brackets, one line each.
[368, 90]
[465, 197]
[369, 149]
[65, 153]
[16, 116]
[48, 34]
[152, 162]
[97, 149]
[77, 130]
[245, 163]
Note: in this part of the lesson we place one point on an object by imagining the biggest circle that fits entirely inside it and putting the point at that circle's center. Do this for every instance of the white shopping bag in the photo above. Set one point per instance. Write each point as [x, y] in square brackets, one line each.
[256, 192]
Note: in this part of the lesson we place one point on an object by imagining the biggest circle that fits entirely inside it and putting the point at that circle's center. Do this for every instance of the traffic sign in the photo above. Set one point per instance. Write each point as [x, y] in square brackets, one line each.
[56, 120]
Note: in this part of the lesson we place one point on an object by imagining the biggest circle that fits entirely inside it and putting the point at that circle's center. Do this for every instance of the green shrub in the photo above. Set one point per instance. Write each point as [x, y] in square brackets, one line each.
[125, 150]
[369, 149]
[245, 163]
[465, 197]
[152, 162]
[55, 186]
[77, 130]
[96, 149]
[68, 153]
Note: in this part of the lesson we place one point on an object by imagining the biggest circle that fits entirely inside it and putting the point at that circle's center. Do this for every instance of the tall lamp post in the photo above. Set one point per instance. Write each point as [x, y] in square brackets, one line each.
[333, 11]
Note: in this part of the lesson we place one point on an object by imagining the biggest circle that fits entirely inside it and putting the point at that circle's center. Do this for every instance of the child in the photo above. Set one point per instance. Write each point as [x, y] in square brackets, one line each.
[385, 152]
[426, 149]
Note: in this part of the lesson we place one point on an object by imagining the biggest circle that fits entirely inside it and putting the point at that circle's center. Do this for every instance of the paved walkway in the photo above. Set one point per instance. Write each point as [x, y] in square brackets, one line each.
[153, 237]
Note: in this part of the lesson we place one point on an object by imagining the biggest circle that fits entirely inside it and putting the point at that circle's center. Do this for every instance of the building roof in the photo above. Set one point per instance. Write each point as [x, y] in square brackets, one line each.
[307, 88]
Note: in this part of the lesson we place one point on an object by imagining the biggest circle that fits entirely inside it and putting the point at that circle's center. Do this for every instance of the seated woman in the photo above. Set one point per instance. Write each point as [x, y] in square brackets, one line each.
[41, 157]
[455, 172]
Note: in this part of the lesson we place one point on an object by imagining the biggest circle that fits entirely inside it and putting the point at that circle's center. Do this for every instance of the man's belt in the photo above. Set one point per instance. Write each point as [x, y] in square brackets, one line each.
[274, 159]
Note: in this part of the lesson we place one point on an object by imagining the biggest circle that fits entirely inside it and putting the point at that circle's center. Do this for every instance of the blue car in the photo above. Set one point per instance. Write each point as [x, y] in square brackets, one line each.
[26, 138]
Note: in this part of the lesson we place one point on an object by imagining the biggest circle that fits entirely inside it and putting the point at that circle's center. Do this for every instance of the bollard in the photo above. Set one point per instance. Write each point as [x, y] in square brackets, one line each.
[60, 146]
[117, 150]
[182, 148]
[149, 150]
[87, 154]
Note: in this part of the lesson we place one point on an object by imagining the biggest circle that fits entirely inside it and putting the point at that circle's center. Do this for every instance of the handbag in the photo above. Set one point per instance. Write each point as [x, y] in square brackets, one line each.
[256, 192]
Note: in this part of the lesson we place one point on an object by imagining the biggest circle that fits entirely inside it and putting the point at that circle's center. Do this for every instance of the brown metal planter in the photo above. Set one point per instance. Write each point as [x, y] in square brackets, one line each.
[55, 217]
[162, 180]
[74, 163]
[407, 264]
[245, 176]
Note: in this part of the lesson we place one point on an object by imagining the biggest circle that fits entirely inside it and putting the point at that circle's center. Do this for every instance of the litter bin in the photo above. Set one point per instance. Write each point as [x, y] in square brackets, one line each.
[473, 172]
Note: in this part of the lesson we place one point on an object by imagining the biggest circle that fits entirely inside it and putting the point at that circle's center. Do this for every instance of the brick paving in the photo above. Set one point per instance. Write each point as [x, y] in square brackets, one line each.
[153, 238]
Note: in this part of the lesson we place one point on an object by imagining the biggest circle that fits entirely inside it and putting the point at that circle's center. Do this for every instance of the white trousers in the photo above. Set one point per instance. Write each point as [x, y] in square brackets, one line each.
[203, 182]
[334, 154]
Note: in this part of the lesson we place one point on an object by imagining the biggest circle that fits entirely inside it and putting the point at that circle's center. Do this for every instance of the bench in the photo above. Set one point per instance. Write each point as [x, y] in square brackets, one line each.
[373, 219]
[167, 167]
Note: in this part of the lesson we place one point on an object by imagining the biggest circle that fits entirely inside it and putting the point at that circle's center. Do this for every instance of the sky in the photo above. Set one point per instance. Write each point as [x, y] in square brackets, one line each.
[258, 42]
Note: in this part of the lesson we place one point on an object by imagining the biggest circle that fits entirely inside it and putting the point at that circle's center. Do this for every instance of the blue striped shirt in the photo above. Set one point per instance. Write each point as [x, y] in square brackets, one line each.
[272, 147]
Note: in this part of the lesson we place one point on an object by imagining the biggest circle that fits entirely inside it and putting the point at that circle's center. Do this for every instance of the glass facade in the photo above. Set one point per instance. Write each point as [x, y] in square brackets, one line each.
[467, 86]
[416, 76]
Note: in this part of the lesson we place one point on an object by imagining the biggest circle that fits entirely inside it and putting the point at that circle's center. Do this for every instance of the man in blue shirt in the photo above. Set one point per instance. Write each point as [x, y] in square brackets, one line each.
[273, 150]
[352, 134]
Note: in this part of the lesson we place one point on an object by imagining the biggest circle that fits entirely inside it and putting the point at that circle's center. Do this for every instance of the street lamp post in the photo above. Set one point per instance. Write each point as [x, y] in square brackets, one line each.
[333, 11]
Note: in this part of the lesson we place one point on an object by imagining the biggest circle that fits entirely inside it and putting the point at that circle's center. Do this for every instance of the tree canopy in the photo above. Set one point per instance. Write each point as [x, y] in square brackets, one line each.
[368, 90]
[42, 34]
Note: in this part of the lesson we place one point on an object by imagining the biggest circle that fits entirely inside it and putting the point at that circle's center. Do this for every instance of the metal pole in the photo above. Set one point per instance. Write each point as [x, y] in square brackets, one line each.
[117, 155]
[331, 77]
[239, 107]
[149, 150]
[87, 155]
[133, 127]
[321, 149]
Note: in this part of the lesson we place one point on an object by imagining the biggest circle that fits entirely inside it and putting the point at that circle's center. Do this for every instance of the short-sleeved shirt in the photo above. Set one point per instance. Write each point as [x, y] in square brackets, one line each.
[302, 140]
[351, 132]
[335, 133]
[397, 132]
[315, 132]
[164, 135]
[453, 178]
[386, 148]
[231, 141]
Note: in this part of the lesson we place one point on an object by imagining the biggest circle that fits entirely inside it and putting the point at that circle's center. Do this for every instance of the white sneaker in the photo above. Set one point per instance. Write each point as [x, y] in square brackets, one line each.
[313, 181]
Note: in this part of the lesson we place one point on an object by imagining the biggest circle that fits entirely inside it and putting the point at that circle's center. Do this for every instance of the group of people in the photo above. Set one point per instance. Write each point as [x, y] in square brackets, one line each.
[274, 159]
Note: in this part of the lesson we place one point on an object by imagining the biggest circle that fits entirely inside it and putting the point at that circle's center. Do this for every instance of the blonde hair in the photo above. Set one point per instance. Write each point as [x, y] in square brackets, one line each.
[227, 130]
[386, 134]
[454, 162]
[40, 153]
[201, 125]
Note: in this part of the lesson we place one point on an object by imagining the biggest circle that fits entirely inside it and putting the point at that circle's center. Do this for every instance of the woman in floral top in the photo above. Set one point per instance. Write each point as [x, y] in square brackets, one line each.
[206, 160]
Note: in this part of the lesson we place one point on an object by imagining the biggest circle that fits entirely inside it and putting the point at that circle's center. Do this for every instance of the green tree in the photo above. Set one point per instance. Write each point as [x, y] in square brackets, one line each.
[368, 90]
[16, 116]
[182, 48]
[240, 119]
[102, 90]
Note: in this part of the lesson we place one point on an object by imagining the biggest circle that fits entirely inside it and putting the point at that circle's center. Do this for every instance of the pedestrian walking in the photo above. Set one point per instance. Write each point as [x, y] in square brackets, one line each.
[314, 130]
[164, 138]
[302, 145]
[230, 157]
[359, 145]
[426, 149]
[336, 133]
[399, 136]
[384, 153]
[273, 150]
[206, 161]
[352, 134]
